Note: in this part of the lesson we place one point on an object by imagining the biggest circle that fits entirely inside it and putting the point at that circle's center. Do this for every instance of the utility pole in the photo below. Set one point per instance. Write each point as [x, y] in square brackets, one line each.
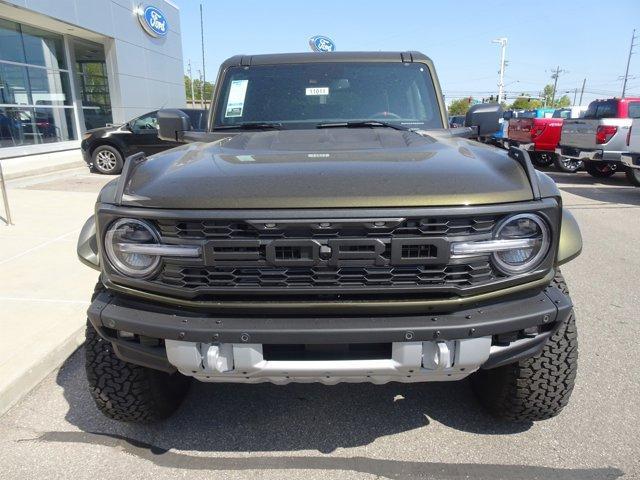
[204, 75]
[556, 74]
[575, 94]
[193, 98]
[201, 89]
[582, 91]
[626, 73]
[502, 41]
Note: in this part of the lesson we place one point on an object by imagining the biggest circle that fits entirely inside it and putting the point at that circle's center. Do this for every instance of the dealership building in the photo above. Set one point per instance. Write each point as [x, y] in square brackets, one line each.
[67, 66]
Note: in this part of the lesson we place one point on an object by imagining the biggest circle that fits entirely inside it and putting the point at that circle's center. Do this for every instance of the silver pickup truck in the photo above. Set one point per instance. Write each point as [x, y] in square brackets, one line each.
[600, 138]
[631, 160]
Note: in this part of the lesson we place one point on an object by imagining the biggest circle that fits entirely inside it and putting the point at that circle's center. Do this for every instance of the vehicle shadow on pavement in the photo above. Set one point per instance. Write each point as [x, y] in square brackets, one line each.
[598, 189]
[266, 417]
[262, 418]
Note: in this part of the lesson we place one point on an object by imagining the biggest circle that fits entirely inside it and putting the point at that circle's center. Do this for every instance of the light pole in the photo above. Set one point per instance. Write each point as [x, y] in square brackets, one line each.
[502, 41]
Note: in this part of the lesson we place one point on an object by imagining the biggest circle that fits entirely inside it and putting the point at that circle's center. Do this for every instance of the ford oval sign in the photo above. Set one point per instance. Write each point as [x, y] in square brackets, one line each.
[322, 44]
[153, 21]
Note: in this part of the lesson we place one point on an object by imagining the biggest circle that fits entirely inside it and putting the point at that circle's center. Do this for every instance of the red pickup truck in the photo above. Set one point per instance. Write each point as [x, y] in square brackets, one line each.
[540, 137]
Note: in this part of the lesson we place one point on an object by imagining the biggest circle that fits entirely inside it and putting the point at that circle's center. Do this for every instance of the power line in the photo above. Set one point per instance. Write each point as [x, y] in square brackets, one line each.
[626, 73]
[555, 76]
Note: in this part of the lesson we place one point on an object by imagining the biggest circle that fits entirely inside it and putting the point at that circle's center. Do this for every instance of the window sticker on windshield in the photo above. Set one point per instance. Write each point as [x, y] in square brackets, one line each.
[235, 103]
[317, 91]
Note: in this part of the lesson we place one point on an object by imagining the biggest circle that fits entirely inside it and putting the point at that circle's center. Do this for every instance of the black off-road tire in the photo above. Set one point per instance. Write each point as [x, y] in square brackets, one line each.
[536, 388]
[599, 169]
[541, 159]
[566, 164]
[633, 175]
[127, 392]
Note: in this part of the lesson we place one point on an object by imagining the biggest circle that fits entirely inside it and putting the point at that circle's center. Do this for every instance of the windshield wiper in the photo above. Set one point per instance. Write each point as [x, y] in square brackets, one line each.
[251, 126]
[362, 124]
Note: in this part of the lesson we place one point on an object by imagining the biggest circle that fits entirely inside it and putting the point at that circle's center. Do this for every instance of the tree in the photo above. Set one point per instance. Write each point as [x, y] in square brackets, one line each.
[197, 91]
[525, 103]
[460, 106]
[563, 101]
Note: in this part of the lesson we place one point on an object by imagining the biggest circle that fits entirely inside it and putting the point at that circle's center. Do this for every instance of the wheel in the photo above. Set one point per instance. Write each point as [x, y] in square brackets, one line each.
[633, 175]
[536, 388]
[127, 392]
[107, 159]
[541, 159]
[566, 164]
[600, 169]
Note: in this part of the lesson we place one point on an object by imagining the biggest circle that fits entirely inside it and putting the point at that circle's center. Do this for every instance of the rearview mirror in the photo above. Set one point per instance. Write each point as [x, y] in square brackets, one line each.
[485, 117]
[173, 124]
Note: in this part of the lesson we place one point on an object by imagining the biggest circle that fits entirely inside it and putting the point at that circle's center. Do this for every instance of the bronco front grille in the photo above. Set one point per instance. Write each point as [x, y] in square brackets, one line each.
[232, 229]
[326, 255]
[327, 277]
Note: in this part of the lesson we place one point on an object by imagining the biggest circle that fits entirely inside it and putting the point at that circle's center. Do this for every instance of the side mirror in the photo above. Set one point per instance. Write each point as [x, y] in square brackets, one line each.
[485, 117]
[173, 124]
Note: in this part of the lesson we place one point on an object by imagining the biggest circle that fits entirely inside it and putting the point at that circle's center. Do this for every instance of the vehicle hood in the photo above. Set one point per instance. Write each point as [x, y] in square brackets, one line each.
[327, 168]
[100, 131]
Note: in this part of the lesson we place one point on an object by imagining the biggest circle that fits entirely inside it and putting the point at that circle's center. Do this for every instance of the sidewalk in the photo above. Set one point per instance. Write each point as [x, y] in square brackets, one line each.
[20, 167]
[44, 289]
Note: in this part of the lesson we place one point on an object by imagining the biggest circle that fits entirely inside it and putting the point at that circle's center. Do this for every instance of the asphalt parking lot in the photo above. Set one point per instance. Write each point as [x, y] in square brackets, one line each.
[361, 431]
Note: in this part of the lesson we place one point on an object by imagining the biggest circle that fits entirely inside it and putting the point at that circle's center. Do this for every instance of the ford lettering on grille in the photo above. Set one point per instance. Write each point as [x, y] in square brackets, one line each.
[328, 252]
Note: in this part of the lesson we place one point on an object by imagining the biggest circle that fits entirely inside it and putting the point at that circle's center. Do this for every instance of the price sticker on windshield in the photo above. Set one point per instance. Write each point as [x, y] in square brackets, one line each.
[317, 91]
[237, 94]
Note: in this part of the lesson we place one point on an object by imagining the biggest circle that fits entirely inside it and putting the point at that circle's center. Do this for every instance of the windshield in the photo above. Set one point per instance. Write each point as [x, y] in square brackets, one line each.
[602, 109]
[562, 113]
[305, 95]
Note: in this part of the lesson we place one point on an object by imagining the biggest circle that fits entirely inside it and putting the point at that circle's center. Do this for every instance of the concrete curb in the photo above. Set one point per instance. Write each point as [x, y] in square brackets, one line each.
[18, 388]
[44, 170]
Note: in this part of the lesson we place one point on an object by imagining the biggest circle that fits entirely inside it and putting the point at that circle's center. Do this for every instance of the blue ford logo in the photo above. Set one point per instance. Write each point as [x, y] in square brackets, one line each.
[153, 21]
[322, 44]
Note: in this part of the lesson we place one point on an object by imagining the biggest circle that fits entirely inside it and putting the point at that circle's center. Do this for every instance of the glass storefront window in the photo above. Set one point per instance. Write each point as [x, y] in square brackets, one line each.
[43, 48]
[11, 42]
[24, 44]
[31, 126]
[93, 84]
[36, 105]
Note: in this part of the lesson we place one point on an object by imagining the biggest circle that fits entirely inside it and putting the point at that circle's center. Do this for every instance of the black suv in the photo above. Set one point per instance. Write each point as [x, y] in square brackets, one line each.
[104, 149]
[329, 227]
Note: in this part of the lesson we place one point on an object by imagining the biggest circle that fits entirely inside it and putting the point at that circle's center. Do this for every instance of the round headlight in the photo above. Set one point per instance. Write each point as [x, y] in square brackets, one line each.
[123, 233]
[530, 228]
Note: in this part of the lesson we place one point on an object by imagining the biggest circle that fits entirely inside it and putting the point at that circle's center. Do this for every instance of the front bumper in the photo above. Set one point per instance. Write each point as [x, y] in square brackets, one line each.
[86, 155]
[170, 338]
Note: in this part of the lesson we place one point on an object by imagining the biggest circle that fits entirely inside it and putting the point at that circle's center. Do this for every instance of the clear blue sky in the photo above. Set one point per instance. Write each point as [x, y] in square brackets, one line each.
[587, 39]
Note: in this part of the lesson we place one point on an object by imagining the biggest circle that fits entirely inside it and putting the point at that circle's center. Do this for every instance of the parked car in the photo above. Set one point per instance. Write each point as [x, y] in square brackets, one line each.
[631, 160]
[498, 138]
[600, 138]
[105, 148]
[330, 228]
[456, 121]
[539, 134]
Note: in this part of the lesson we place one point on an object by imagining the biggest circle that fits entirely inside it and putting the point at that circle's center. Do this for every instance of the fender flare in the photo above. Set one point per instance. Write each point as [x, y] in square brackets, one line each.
[570, 242]
[87, 247]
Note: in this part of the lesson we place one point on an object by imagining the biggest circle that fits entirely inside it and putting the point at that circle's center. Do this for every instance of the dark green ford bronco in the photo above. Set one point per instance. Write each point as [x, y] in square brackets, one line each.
[329, 227]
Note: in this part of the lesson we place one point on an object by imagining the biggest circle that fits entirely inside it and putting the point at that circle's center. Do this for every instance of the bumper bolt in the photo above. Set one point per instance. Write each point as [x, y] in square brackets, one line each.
[545, 319]
[472, 331]
[244, 337]
[436, 334]
[408, 335]
[110, 323]
[216, 336]
[181, 335]
[434, 319]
